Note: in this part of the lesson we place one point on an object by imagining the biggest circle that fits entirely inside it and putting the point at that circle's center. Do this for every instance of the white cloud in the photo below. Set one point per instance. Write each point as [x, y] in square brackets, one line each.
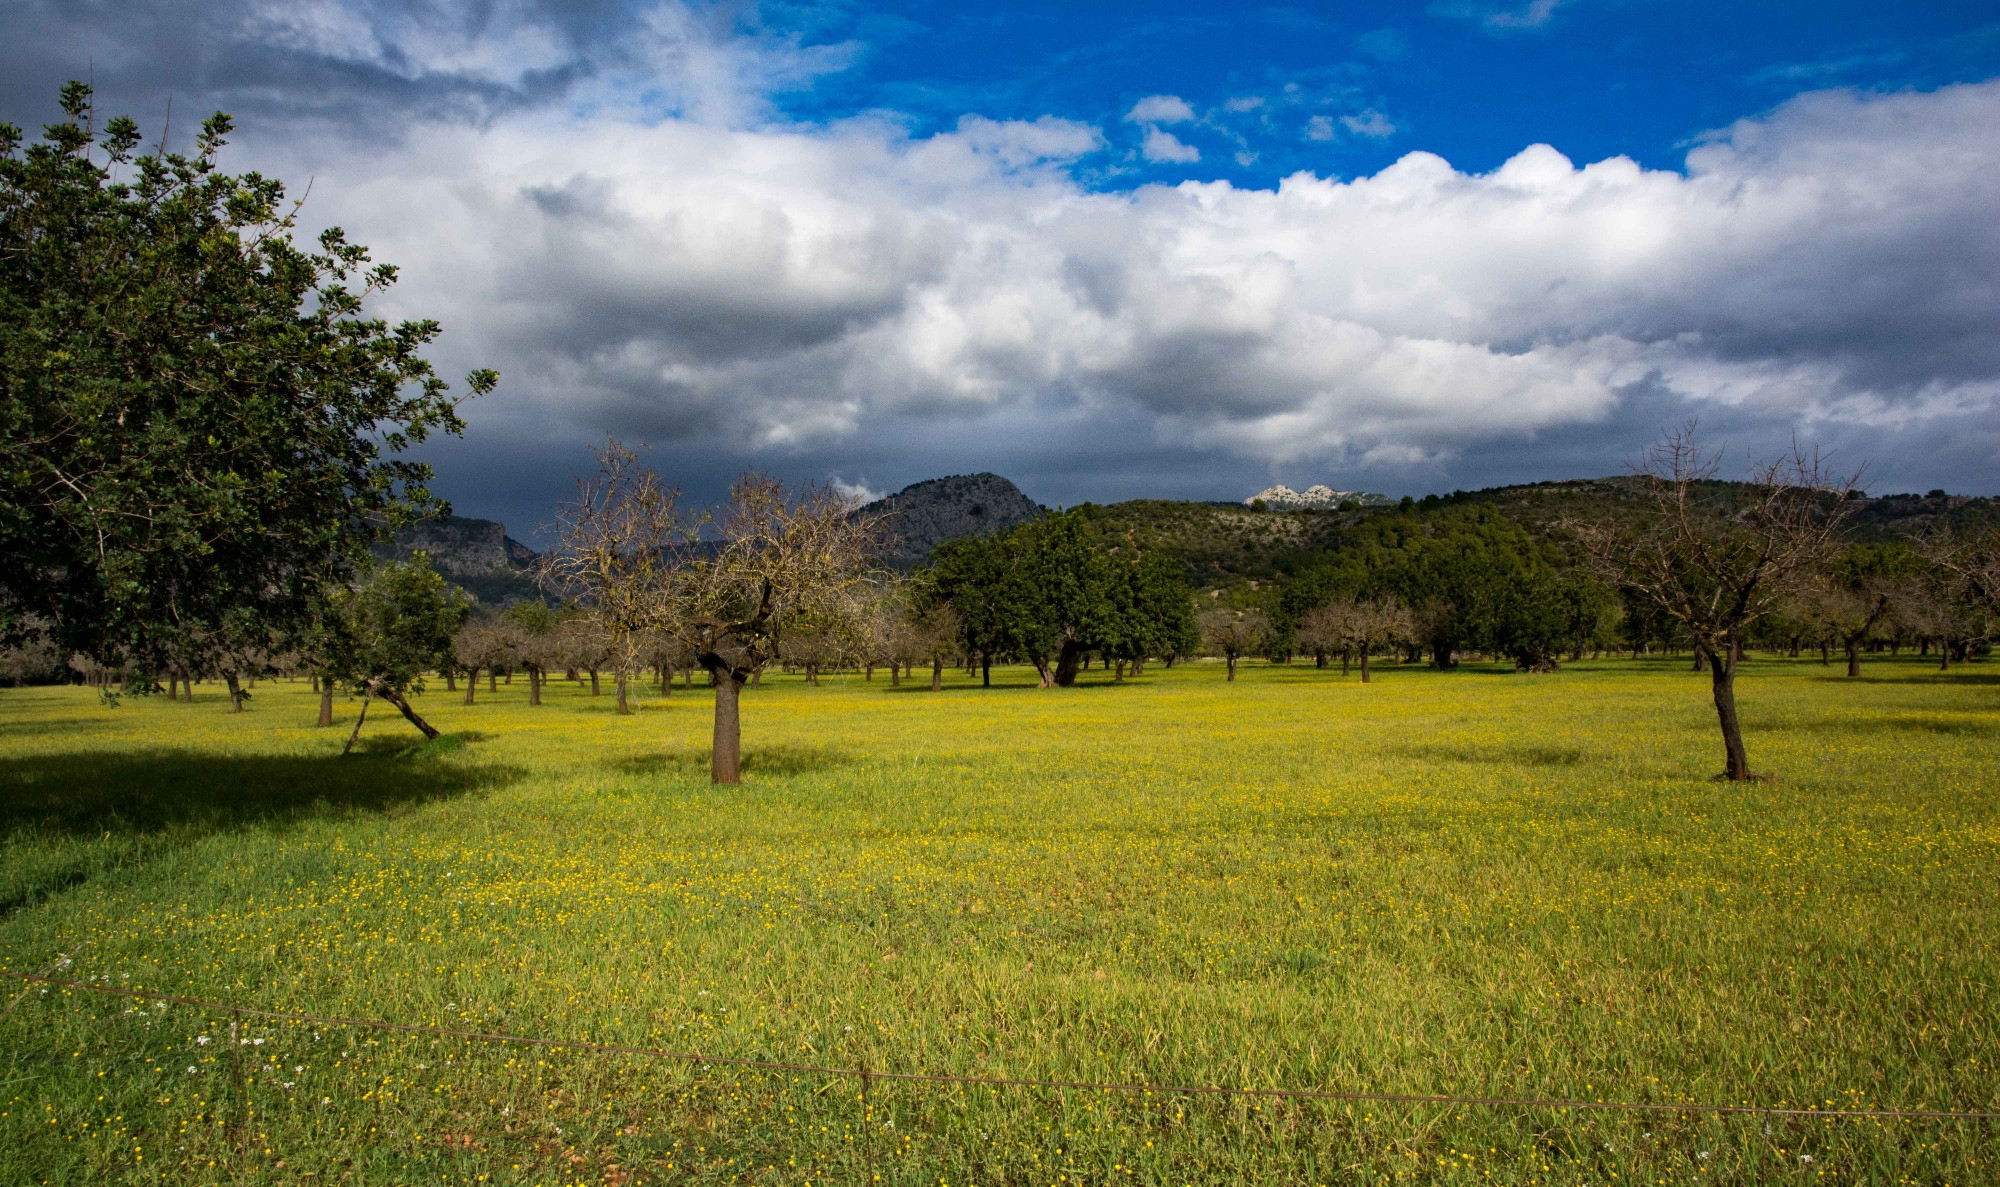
[1370, 123]
[1160, 109]
[776, 286]
[857, 493]
[1243, 103]
[1532, 15]
[1162, 145]
[1320, 127]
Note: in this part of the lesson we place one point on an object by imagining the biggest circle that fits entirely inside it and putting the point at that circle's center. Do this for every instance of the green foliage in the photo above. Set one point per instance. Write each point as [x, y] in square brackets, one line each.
[197, 421]
[1047, 593]
[1474, 577]
[396, 626]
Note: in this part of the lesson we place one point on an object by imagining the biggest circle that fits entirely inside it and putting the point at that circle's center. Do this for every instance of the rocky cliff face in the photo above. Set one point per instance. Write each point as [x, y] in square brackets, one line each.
[475, 554]
[1314, 498]
[926, 514]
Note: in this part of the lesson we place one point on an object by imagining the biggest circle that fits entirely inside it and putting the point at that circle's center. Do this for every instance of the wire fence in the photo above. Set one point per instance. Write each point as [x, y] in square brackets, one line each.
[865, 1075]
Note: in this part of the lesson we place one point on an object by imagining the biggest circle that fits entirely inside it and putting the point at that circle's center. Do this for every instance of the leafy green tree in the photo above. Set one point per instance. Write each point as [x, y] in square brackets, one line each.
[400, 623]
[198, 423]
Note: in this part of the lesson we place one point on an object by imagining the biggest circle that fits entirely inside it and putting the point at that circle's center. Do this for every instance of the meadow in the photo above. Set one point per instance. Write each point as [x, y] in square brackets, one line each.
[1471, 883]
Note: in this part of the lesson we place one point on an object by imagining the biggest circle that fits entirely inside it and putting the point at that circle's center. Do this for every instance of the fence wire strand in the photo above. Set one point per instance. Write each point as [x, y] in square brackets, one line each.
[868, 1074]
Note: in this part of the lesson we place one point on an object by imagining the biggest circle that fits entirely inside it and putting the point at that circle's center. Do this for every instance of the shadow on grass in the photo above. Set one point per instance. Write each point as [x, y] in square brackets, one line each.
[151, 791]
[1905, 676]
[1525, 756]
[757, 760]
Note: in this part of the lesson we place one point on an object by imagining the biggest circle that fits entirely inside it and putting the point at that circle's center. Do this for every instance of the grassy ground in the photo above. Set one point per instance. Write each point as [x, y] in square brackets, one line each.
[1470, 883]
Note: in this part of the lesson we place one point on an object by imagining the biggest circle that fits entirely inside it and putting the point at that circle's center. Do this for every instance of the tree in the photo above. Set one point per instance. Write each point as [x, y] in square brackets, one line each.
[198, 423]
[1716, 558]
[1362, 625]
[1855, 595]
[400, 623]
[614, 551]
[1233, 634]
[487, 645]
[779, 560]
[533, 625]
[934, 634]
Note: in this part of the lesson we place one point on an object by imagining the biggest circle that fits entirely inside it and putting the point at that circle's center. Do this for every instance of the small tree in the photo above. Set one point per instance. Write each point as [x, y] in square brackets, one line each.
[780, 560]
[934, 635]
[401, 622]
[1233, 634]
[1716, 558]
[615, 550]
[533, 625]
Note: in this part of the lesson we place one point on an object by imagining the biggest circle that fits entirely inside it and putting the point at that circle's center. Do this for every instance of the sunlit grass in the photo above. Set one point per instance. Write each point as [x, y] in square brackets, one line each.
[1467, 883]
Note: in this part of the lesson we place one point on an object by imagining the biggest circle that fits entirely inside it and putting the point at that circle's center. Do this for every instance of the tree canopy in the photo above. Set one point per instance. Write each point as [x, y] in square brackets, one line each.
[198, 423]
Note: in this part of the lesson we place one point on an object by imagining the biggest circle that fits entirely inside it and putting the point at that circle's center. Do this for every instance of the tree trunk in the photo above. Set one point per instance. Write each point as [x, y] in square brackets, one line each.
[534, 686]
[1230, 659]
[1722, 679]
[621, 682]
[403, 706]
[1700, 660]
[1118, 672]
[594, 689]
[985, 670]
[1319, 659]
[1346, 661]
[757, 676]
[1825, 652]
[471, 684]
[1066, 665]
[1853, 656]
[868, 673]
[450, 680]
[326, 702]
[1364, 665]
[937, 674]
[895, 675]
[687, 680]
[1441, 657]
[726, 758]
[1944, 655]
[365, 698]
[235, 692]
[1138, 666]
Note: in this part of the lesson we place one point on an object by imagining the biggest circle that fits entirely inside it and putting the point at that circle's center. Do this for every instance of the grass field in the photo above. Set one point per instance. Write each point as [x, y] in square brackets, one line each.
[1472, 883]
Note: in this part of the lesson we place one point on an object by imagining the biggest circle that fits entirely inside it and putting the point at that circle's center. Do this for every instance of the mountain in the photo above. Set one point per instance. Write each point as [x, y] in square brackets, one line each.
[476, 555]
[1313, 498]
[925, 514]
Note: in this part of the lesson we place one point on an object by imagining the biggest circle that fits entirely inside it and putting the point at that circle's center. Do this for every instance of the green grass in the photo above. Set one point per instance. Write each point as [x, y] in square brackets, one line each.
[1468, 883]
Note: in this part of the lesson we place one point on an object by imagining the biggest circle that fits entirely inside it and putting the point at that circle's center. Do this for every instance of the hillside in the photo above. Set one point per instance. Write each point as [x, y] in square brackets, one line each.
[475, 554]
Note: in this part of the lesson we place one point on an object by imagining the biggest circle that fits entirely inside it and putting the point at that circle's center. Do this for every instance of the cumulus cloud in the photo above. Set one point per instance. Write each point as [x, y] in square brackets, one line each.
[1532, 15]
[703, 274]
[1163, 146]
[1160, 109]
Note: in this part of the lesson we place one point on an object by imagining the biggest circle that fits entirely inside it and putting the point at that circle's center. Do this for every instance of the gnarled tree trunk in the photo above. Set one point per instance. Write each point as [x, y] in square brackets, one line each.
[326, 702]
[1722, 681]
[236, 697]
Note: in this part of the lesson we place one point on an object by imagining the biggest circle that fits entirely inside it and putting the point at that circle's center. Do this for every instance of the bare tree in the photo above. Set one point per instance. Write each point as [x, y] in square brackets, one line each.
[1717, 557]
[615, 551]
[1350, 625]
[1850, 612]
[779, 561]
[1233, 634]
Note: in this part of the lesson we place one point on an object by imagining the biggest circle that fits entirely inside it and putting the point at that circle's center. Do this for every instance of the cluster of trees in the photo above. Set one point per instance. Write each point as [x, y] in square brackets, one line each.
[1043, 594]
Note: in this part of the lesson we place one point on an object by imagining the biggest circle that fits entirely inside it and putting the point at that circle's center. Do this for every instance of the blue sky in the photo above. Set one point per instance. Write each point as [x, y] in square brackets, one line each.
[1122, 250]
[1473, 82]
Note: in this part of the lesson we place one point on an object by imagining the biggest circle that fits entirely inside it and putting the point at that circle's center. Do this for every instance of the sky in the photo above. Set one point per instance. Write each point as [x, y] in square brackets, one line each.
[1120, 250]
